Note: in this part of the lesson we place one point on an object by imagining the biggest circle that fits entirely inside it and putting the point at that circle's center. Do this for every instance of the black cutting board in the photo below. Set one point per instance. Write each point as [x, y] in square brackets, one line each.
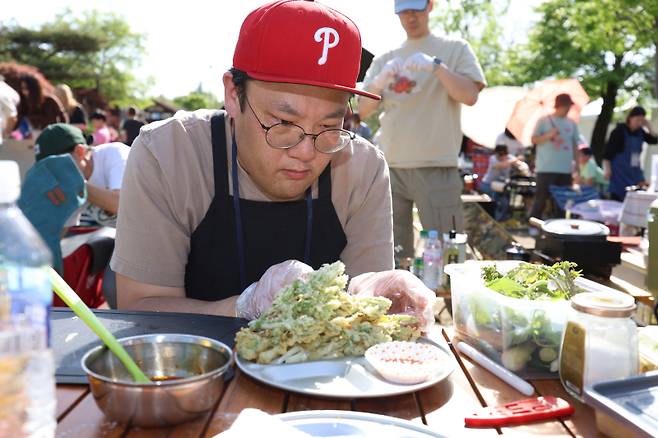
[71, 338]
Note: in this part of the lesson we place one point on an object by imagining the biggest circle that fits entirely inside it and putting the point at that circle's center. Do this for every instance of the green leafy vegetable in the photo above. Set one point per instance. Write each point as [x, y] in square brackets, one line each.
[534, 282]
[490, 273]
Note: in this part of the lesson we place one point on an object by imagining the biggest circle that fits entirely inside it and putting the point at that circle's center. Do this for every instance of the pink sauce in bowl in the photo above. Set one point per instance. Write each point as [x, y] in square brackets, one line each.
[405, 362]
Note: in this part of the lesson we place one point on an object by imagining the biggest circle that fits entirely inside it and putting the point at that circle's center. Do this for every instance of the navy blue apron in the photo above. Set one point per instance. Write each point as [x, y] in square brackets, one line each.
[626, 169]
[239, 239]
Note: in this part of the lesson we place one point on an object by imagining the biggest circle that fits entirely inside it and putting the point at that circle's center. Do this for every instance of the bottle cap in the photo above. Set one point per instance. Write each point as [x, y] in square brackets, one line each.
[10, 182]
[433, 234]
[424, 233]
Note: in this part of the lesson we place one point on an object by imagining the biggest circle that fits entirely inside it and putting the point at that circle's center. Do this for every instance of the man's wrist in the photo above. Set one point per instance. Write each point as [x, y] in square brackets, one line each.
[436, 61]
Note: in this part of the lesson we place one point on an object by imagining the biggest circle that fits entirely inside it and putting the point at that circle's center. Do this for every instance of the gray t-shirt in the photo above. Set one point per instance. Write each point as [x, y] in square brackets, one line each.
[169, 184]
[556, 155]
[420, 122]
[494, 174]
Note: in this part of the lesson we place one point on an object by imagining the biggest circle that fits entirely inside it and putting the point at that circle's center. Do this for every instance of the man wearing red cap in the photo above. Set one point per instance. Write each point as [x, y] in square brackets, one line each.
[423, 84]
[557, 139]
[213, 199]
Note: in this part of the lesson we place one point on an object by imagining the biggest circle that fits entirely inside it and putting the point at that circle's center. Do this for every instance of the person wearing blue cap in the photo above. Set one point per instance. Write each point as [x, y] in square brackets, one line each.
[423, 84]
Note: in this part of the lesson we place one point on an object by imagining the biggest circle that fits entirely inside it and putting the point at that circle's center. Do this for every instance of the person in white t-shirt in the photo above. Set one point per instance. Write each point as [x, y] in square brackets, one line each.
[501, 164]
[9, 100]
[514, 146]
[423, 84]
[102, 167]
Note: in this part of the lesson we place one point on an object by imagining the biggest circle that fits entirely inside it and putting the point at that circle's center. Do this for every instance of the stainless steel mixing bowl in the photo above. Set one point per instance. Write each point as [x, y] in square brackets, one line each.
[188, 373]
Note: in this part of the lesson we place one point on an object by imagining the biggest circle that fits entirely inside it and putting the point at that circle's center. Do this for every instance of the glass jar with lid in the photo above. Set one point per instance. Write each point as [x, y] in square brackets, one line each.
[599, 341]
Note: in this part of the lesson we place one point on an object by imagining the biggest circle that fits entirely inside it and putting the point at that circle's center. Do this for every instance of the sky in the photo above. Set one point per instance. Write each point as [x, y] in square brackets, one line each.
[191, 42]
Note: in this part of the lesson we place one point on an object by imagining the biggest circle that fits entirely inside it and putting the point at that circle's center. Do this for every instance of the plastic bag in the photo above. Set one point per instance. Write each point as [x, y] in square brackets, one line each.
[258, 297]
[406, 291]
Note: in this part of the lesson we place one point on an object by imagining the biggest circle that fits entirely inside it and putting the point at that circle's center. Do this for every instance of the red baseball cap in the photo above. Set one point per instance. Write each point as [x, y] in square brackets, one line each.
[300, 42]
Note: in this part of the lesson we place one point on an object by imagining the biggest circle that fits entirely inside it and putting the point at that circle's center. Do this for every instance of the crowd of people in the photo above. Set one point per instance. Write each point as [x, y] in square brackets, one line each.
[563, 158]
[31, 108]
[288, 166]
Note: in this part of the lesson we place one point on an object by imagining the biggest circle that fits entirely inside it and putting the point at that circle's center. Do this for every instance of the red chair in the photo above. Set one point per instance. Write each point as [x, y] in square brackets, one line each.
[479, 155]
[86, 256]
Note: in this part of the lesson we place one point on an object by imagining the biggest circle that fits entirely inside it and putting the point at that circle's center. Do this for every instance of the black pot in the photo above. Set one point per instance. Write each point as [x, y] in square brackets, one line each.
[517, 252]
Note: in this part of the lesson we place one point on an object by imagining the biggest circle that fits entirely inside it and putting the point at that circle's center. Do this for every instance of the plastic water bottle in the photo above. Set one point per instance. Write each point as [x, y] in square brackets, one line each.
[418, 267]
[432, 261]
[27, 372]
[420, 244]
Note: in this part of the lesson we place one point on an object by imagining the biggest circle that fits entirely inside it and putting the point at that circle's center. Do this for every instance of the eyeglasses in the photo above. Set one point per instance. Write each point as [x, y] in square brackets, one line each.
[285, 135]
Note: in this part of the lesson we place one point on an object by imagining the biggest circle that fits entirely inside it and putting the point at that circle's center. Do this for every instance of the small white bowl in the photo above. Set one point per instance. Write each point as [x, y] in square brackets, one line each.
[407, 363]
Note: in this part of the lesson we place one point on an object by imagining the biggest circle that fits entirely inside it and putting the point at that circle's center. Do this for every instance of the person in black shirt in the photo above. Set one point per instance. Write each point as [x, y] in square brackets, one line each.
[131, 126]
[621, 158]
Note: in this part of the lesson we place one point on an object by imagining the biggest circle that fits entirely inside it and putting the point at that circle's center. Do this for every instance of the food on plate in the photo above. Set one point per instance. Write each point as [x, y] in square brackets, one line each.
[407, 292]
[405, 362]
[524, 334]
[315, 318]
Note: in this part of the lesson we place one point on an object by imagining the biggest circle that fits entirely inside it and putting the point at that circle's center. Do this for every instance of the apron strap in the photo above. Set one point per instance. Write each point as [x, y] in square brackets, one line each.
[239, 236]
[219, 155]
[324, 183]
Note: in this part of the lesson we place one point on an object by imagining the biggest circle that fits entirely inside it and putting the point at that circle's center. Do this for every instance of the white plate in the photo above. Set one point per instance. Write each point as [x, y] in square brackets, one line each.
[346, 377]
[355, 424]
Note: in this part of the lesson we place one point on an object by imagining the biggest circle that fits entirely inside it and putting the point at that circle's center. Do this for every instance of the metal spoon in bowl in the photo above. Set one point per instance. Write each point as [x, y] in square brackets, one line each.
[64, 291]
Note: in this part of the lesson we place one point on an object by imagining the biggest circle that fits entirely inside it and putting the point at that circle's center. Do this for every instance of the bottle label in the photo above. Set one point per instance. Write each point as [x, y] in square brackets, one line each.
[30, 295]
[572, 359]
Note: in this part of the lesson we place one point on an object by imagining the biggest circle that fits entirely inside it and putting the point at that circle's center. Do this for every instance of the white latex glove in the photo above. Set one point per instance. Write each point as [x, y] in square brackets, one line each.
[408, 294]
[386, 76]
[419, 62]
[258, 297]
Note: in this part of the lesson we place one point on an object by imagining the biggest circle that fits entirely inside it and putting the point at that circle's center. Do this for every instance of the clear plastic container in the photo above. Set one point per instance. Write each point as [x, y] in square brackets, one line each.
[522, 335]
[27, 374]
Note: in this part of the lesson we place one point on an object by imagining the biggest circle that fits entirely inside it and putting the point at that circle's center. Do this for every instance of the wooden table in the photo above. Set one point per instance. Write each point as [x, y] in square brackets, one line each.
[441, 407]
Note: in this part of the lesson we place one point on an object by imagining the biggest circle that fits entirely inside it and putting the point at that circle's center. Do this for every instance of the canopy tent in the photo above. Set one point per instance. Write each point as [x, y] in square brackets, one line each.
[485, 120]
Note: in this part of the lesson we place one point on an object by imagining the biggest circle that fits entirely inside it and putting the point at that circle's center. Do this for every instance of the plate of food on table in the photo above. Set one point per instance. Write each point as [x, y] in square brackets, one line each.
[321, 337]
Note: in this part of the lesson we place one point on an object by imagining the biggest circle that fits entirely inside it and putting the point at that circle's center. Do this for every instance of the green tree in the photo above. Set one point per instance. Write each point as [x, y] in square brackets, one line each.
[93, 50]
[477, 21]
[607, 44]
[197, 99]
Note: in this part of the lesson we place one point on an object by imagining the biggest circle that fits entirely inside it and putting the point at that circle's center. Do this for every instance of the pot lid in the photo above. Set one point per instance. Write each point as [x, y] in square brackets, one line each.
[575, 227]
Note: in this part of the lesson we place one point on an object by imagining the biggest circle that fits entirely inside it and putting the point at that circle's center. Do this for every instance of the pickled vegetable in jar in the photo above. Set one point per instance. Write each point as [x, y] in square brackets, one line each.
[599, 341]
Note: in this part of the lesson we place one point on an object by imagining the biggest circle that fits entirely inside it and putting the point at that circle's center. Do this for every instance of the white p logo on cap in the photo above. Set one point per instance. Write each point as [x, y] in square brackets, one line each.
[324, 34]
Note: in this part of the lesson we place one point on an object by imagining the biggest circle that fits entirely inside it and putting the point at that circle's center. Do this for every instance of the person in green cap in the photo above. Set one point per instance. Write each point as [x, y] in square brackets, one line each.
[101, 166]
